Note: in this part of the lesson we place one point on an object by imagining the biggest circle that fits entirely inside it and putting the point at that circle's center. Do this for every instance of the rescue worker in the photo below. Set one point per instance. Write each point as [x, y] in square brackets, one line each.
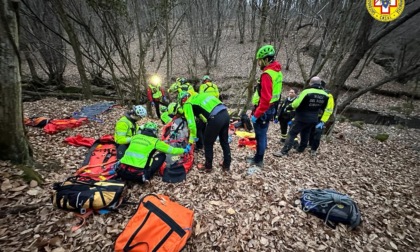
[172, 111]
[210, 108]
[210, 88]
[316, 133]
[285, 116]
[140, 162]
[126, 127]
[180, 85]
[265, 100]
[308, 105]
[156, 95]
[207, 86]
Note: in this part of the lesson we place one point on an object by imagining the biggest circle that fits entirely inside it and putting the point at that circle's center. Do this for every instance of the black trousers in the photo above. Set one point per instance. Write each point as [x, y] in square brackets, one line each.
[201, 127]
[217, 126]
[157, 109]
[315, 138]
[157, 162]
[302, 128]
[283, 125]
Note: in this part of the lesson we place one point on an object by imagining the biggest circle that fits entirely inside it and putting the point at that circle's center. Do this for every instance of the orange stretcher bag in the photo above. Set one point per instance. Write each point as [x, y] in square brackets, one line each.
[159, 224]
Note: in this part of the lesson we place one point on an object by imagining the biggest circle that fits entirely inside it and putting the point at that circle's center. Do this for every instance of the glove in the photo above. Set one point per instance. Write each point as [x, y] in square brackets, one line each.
[187, 148]
[195, 139]
[253, 119]
[152, 103]
[290, 123]
[276, 120]
[320, 125]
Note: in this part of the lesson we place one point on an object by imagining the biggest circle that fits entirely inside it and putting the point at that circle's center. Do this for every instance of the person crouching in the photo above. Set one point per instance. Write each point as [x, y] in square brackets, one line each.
[140, 162]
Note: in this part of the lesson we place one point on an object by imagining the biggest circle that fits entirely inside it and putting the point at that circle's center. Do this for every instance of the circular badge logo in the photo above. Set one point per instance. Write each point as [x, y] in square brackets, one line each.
[385, 10]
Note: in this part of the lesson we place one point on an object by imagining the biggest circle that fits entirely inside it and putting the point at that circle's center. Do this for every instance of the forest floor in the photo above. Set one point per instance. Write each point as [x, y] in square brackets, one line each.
[232, 212]
[236, 212]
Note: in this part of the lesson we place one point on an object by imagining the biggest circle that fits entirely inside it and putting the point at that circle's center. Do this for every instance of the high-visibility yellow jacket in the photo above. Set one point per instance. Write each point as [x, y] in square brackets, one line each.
[125, 128]
[141, 149]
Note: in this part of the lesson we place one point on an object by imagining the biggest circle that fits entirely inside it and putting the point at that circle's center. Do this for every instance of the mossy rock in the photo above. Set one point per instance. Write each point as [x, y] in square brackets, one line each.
[358, 124]
[382, 137]
[30, 174]
[341, 118]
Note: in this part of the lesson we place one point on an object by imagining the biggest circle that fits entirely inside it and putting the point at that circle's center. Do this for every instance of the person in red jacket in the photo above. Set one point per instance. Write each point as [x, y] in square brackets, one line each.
[156, 94]
[265, 100]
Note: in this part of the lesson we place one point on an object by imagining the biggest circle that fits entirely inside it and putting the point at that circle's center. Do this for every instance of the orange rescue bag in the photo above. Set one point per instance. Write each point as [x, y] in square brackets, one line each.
[158, 225]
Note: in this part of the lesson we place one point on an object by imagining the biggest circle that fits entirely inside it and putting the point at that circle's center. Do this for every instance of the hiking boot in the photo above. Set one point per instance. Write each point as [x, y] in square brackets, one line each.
[313, 153]
[203, 169]
[296, 144]
[224, 168]
[253, 169]
[280, 154]
[250, 160]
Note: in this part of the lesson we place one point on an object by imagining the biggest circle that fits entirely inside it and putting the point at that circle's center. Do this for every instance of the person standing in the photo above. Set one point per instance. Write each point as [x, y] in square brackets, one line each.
[285, 116]
[316, 132]
[208, 87]
[126, 127]
[308, 105]
[265, 99]
[215, 112]
[156, 95]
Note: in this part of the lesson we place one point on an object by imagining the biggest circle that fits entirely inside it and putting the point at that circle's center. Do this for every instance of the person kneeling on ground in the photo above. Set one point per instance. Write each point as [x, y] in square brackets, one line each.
[126, 127]
[140, 162]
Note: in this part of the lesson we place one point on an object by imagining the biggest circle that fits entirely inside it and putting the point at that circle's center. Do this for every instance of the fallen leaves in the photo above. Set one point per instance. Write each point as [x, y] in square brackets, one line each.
[234, 212]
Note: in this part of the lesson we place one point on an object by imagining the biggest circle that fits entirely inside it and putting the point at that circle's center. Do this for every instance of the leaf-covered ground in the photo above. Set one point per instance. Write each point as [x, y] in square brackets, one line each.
[233, 212]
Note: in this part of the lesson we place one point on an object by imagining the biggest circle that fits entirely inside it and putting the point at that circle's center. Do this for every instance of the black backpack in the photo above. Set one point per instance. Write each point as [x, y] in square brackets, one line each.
[331, 206]
[81, 196]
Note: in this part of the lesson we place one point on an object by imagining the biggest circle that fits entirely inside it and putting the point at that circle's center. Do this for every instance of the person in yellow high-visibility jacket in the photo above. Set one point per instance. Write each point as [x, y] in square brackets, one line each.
[126, 127]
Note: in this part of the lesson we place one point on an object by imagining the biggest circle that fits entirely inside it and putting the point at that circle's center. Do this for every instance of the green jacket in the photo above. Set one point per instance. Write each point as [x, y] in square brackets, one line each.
[329, 109]
[209, 88]
[141, 149]
[195, 105]
[165, 117]
[277, 79]
[125, 128]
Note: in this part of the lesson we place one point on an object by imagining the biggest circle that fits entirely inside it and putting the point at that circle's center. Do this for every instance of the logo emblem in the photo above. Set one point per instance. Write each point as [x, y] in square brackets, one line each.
[385, 10]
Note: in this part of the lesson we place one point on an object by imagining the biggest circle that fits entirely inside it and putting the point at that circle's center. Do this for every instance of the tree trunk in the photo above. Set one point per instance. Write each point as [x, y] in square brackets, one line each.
[13, 142]
[251, 78]
[241, 20]
[75, 44]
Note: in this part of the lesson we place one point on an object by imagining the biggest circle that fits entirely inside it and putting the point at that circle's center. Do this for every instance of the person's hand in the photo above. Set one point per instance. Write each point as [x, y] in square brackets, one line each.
[195, 139]
[276, 120]
[152, 103]
[320, 125]
[253, 119]
[290, 123]
[187, 148]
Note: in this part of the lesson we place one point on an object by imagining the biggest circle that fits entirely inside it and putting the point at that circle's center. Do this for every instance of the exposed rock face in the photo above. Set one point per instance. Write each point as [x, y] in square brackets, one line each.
[404, 39]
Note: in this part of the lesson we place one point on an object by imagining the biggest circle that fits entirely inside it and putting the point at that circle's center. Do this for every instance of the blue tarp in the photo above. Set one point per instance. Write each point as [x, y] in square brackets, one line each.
[92, 111]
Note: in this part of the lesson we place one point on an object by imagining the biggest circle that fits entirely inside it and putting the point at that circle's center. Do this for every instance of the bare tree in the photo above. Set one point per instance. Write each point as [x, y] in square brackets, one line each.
[75, 43]
[13, 142]
[241, 16]
[251, 77]
[40, 40]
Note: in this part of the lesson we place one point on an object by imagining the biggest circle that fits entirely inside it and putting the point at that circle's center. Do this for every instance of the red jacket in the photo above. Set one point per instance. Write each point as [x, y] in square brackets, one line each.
[149, 94]
[266, 89]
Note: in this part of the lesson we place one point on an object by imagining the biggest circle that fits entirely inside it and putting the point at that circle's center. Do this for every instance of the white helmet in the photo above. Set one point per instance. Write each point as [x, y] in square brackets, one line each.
[140, 110]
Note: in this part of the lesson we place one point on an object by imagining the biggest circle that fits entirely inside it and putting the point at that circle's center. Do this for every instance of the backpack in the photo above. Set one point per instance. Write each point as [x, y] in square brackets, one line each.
[99, 163]
[82, 196]
[246, 122]
[159, 224]
[331, 206]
